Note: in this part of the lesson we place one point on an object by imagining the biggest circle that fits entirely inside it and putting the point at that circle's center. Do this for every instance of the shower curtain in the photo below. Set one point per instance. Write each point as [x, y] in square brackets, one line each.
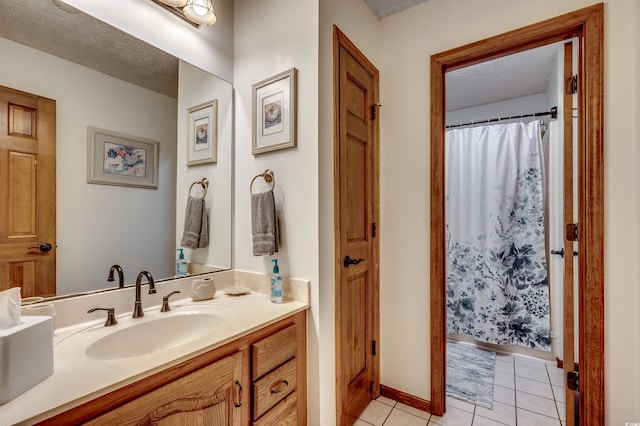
[496, 272]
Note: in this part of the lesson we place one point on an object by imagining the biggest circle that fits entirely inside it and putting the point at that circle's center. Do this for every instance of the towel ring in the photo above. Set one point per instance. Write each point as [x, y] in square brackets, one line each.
[205, 185]
[268, 177]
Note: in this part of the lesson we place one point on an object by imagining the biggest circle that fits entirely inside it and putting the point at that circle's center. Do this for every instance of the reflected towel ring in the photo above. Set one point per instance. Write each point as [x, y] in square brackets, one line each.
[268, 177]
[205, 185]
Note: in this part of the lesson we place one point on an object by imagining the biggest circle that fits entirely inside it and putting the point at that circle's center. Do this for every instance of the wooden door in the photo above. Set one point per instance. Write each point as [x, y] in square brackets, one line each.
[356, 208]
[28, 191]
[211, 396]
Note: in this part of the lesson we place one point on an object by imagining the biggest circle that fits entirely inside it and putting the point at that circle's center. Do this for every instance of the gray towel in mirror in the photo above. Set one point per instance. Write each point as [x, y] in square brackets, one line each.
[196, 224]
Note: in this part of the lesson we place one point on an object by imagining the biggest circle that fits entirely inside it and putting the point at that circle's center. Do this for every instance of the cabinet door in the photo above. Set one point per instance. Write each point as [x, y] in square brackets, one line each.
[209, 396]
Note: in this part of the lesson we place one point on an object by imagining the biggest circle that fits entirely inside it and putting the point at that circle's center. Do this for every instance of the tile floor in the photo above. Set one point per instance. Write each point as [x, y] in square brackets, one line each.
[527, 392]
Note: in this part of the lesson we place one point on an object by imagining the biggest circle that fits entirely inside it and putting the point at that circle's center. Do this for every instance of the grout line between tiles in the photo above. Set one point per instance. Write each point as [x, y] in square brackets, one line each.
[539, 414]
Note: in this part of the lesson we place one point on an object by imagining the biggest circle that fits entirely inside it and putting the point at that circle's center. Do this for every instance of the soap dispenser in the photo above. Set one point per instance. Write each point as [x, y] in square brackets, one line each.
[276, 283]
[181, 264]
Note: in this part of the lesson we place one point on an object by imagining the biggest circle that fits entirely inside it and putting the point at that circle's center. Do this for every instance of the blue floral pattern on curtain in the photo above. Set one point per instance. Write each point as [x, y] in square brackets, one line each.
[497, 285]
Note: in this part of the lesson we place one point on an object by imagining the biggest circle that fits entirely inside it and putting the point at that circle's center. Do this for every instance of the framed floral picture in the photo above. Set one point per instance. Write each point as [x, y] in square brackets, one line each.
[202, 137]
[118, 159]
[274, 113]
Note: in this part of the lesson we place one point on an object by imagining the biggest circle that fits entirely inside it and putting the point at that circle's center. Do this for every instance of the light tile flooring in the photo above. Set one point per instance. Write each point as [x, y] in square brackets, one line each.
[526, 392]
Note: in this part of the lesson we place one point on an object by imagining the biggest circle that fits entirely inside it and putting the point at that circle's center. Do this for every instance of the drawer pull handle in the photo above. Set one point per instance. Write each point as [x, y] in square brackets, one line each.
[282, 384]
[238, 398]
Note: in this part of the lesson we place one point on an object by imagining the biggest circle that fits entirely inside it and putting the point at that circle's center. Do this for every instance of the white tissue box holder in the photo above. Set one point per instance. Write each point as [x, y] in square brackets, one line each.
[26, 355]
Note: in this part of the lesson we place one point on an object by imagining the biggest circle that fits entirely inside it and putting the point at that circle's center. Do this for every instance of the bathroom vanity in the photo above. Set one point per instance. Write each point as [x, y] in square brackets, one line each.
[250, 370]
[257, 379]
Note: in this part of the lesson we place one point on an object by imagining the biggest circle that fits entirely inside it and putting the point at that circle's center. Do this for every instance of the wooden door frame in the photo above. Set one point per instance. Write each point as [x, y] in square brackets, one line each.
[587, 25]
[341, 40]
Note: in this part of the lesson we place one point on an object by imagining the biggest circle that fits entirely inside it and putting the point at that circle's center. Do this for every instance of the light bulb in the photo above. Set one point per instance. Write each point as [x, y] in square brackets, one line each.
[200, 11]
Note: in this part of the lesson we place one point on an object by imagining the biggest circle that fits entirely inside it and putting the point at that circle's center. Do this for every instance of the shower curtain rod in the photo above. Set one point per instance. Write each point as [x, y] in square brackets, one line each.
[553, 112]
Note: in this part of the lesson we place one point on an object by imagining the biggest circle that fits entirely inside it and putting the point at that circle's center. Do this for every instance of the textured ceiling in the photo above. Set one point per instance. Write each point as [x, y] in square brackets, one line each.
[56, 28]
[521, 74]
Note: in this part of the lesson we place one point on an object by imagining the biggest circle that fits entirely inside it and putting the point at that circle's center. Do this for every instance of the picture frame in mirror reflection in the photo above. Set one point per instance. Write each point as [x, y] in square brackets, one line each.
[274, 113]
[115, 158]
[202, 137]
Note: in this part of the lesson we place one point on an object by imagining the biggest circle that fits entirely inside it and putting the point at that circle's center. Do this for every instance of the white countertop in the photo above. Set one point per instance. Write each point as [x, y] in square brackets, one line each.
[78, 379]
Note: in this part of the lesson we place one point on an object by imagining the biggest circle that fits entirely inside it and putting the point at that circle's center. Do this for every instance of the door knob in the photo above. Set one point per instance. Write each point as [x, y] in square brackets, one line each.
[349, 261]
[44, 247]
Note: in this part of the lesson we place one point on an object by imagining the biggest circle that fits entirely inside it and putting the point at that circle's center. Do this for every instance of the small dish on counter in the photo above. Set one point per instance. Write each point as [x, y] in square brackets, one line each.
[237, 290]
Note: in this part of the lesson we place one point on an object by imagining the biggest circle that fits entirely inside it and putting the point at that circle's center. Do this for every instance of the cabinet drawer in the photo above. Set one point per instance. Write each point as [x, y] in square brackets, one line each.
[273, 387]
[283, 414]
[272, 351]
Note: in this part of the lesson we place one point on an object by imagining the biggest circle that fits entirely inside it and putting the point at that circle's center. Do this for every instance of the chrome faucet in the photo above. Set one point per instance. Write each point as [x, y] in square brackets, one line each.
[137, 307]
[118, 269]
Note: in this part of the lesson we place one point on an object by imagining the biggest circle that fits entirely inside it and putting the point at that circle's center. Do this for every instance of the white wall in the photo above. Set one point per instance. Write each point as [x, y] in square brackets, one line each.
[196, 87]
[272, 36]
[99, 225]
[403, 45]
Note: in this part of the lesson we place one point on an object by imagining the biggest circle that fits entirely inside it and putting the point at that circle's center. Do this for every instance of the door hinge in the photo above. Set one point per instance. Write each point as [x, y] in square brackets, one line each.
[571, 232]
[374, 111]
[374, 348]
[374, 229]
[571, 85]
[573, 379]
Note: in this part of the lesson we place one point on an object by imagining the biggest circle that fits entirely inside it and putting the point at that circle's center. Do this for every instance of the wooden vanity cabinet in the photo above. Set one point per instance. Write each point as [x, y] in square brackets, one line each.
[211, 395]
[257, 379]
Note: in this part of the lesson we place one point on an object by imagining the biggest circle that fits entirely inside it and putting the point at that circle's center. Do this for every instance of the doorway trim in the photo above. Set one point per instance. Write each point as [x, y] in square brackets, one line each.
[587, 25]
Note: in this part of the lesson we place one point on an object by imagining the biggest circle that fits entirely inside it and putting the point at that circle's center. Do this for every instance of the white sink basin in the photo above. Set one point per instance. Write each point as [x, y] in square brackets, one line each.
[160, 334]
[156, 332]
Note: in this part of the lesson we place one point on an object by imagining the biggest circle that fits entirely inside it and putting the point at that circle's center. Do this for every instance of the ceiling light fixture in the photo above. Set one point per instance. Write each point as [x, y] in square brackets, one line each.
[198, 12]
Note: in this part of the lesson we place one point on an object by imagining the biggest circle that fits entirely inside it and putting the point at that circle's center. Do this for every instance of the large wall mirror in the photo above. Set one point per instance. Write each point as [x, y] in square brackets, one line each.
[101, 77]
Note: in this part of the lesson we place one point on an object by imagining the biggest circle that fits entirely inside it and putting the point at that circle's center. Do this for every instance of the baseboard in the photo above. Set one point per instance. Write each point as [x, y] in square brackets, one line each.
[405, 398]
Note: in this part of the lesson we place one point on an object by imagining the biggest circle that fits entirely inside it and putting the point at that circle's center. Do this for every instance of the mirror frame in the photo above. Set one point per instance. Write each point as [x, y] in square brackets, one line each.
[587, 25]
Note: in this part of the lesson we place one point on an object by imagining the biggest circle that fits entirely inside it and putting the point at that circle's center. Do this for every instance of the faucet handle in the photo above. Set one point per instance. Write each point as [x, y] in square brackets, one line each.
[111, 315]
[165, 301]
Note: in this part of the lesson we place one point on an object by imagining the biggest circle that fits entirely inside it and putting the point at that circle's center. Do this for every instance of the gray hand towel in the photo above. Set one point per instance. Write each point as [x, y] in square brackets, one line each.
[196, 224]
[264, 224]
